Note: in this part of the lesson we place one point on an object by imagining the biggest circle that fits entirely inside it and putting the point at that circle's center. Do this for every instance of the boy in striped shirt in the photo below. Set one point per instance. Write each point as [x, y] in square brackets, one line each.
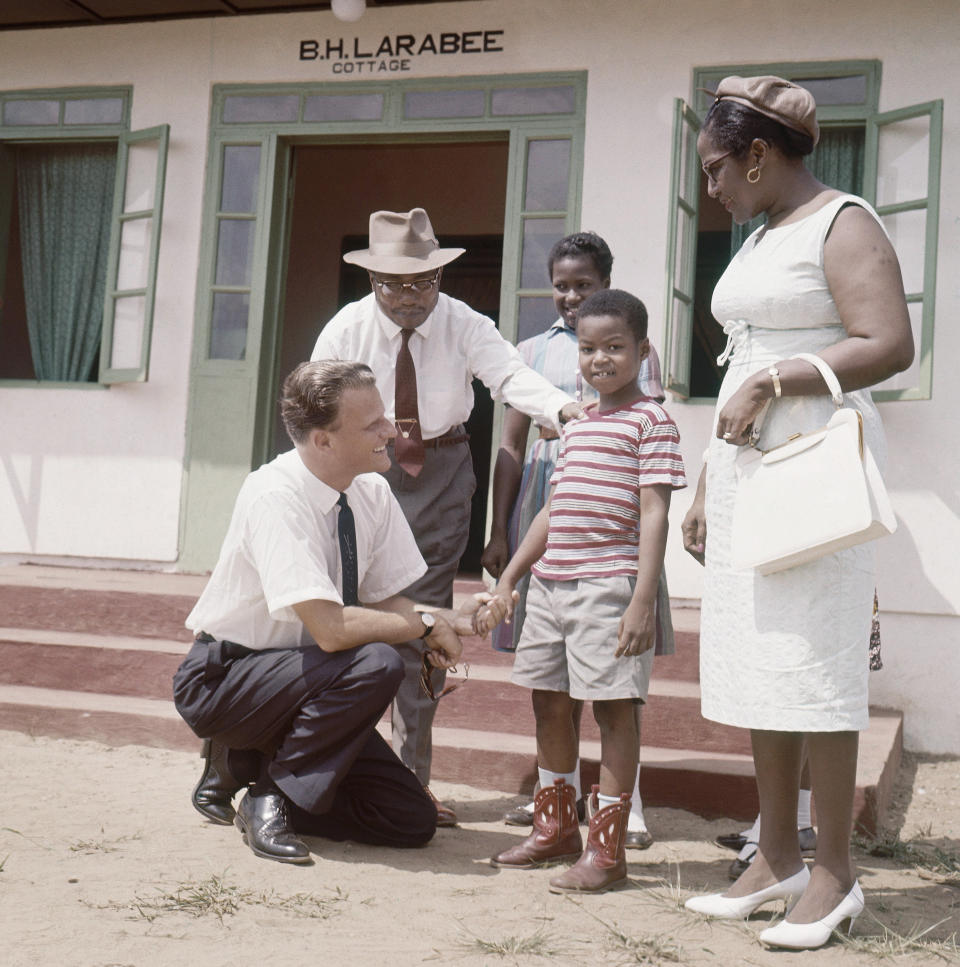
[596, 553]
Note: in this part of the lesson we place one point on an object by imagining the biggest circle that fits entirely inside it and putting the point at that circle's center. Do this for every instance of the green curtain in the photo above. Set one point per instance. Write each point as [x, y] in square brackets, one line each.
[65, 195]
[837, 161]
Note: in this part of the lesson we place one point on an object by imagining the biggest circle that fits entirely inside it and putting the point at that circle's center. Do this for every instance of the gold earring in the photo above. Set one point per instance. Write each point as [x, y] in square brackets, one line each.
[755, 173]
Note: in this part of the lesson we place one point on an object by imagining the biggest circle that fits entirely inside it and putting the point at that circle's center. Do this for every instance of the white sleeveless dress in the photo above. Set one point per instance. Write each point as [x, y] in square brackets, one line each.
[785, 651]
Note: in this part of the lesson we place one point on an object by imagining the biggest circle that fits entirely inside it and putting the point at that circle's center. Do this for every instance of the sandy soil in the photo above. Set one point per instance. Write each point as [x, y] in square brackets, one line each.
[104, 863]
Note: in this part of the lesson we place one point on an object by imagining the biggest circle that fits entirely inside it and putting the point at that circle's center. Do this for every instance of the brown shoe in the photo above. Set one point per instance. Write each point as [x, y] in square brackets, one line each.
[603, 865]
[556, 832]
[445, 815]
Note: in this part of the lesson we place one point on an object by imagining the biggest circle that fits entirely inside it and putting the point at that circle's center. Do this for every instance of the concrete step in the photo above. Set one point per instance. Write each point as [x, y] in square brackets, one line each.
[93, 657]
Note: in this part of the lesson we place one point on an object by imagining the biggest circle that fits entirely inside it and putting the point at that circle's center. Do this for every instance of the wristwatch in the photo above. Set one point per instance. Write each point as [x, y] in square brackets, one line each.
[428, 623]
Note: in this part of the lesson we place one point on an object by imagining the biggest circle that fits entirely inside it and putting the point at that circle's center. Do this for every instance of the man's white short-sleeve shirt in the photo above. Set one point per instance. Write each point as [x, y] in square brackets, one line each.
[454, 345]
[282, 548]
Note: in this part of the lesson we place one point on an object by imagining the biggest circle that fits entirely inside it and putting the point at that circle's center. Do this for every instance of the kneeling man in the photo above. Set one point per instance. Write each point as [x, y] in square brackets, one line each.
[292, 664]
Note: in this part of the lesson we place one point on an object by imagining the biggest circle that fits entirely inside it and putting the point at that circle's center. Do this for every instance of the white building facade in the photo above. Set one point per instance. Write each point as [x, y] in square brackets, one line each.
[224, 164]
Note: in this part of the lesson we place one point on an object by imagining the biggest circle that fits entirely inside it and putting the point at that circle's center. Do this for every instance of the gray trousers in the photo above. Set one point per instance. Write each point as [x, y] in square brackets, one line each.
[436, 504]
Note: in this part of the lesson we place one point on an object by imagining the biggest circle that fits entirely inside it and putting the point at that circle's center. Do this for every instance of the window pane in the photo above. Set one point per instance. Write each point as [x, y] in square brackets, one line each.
[836, 90]
[539, 235]
[141, 177]
[908, 234]
[443, 104]
[903, 159]
[31, 112]
[534, 100]
[343, 107]
[234, 251]
[128, 319]
[134, 254]
[268, 107]
[94, 110]
[241, 171]
[548, 169]
[535, 315]
[228, 328]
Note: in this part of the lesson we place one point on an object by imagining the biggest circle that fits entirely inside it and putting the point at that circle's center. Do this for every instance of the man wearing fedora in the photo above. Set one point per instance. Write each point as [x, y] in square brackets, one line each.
[425, 348]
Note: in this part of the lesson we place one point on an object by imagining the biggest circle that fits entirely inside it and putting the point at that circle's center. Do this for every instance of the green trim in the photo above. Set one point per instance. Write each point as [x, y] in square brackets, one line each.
[933, 110]
[61, 129]
[230, 409]
[136, 374]
[683, 201]
[707, 78]
[48, 384]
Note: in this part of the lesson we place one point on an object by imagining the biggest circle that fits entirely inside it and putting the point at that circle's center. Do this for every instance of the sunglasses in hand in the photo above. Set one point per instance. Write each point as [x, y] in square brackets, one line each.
[426, 679]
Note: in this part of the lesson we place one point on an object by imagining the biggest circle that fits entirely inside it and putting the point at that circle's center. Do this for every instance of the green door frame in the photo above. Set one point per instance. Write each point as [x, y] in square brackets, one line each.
[239, 305]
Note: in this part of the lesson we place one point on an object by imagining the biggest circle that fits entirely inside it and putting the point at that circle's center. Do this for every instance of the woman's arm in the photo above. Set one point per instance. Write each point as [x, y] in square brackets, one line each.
[863, 273]
[507, 474]
[694, 526]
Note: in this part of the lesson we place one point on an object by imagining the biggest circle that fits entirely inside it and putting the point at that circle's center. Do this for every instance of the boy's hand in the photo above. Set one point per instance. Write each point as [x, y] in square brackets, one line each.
[464, 619]
[637, 632]
[498, 608]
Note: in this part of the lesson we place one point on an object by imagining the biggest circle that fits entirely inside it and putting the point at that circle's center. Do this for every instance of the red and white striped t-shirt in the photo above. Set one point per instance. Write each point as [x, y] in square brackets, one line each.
[605, 458]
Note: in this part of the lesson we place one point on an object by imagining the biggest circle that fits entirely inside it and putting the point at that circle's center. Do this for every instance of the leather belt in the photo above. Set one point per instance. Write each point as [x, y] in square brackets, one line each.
[218, 653]
[453, 436]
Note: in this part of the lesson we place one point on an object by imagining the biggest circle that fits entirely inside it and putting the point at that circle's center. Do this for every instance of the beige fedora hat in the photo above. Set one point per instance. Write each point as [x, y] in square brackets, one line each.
[402, 243]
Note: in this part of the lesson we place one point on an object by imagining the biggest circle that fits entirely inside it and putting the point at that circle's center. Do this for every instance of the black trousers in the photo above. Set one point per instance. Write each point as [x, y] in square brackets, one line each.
[313, 715]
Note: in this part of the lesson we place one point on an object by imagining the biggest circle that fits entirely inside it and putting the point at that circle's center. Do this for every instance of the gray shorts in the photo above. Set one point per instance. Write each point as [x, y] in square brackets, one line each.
[569, 638]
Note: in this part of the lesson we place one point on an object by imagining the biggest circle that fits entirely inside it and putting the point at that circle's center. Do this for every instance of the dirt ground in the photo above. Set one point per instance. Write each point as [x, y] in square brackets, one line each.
[104, 863]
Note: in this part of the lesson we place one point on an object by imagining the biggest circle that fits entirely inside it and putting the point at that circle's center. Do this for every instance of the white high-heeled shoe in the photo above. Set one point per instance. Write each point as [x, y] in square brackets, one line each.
[806, 936]
[737, 908]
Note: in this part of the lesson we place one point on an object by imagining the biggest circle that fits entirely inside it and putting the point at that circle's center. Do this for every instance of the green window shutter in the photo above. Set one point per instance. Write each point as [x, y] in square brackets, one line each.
[681, 248]
[132, 262]
[902, 181]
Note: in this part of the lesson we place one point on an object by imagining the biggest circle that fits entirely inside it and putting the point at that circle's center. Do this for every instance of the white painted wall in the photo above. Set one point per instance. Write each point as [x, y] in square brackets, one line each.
[97, 473]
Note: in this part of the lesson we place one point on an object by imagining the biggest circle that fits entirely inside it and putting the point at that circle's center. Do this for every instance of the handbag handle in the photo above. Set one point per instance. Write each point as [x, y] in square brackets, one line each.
[829, 377]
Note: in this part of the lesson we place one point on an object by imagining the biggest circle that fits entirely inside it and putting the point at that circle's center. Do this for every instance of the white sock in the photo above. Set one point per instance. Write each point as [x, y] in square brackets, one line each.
[571, 778]
[803, 809]
[604, 801]
[748, 852]
[752, 835]
[635, 821]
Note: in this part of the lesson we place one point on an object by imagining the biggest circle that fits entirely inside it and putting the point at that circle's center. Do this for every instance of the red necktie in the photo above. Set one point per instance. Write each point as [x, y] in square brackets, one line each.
[408, 445]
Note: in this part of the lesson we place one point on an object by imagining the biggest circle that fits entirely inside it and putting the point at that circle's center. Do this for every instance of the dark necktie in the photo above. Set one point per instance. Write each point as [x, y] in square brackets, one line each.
[409, 443]
[347, 532]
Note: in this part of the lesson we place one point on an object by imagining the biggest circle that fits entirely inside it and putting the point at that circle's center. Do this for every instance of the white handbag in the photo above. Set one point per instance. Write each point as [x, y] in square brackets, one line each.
[812, 495]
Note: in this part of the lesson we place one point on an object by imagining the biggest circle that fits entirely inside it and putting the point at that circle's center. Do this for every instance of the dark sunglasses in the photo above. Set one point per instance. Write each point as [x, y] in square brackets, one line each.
[426, 679]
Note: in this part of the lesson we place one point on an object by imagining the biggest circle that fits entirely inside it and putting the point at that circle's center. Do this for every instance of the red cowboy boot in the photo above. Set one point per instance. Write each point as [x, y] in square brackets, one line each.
[603, 864]
[556, 831]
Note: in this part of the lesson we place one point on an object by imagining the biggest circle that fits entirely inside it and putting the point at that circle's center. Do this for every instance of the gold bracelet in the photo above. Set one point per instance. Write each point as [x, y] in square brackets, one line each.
[775, 376]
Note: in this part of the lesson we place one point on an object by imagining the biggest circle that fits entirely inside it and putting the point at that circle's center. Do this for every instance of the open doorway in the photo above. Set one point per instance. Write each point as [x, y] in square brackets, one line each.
[461, 184]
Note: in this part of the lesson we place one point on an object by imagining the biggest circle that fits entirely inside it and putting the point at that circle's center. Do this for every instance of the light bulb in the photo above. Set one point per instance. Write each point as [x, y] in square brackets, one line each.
[348, 10]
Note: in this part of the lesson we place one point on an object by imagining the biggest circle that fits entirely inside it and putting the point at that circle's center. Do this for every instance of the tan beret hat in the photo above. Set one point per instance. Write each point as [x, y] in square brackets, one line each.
[402, 243]
[781, 100]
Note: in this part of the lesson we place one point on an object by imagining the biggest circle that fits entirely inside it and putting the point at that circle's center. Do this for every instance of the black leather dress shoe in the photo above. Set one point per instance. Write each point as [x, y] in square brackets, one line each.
[266, 828]
[734, 841]
[521, 816]
[225, 773]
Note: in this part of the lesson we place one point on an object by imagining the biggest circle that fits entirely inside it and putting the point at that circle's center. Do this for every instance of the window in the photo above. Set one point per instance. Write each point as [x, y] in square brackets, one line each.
[892, 160]
[80, 203]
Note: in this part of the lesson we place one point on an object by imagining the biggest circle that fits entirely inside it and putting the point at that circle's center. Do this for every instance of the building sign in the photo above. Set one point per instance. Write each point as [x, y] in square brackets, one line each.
[395, 52]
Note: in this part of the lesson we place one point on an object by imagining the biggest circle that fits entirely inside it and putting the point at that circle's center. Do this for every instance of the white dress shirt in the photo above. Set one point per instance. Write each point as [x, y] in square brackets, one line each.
[282, 548]
[452, 346]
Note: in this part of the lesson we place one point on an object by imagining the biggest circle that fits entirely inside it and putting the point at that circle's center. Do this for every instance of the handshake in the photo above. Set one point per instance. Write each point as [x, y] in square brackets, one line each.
[494, 607]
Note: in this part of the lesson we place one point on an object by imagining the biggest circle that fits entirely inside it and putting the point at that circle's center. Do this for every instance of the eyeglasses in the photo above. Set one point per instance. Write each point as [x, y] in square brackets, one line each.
[420, 286]
[426, 679]
[709, 169]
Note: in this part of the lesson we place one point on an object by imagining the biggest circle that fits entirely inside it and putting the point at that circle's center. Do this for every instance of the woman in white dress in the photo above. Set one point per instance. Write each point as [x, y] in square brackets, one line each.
[785, 654]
